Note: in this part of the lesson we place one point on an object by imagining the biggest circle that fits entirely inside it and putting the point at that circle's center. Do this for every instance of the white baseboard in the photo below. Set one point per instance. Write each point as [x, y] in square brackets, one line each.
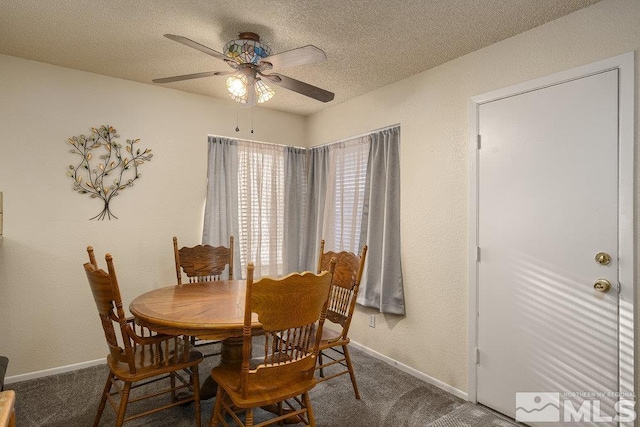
[53, 371]
[411, 371]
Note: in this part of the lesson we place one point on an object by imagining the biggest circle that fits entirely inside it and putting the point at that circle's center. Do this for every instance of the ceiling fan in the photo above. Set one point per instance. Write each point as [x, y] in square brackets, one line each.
[249, 60]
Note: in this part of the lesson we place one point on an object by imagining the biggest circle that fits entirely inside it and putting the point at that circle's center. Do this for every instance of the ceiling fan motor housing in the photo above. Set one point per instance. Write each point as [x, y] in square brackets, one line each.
[247, 49]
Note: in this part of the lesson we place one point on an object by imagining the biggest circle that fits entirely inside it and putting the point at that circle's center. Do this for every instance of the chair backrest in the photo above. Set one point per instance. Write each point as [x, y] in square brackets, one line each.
[345, 285]
[106, 294]
[288, 309]
[203, 263]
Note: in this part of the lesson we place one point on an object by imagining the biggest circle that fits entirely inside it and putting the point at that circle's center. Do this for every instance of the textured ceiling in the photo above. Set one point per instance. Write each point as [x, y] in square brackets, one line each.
[369, 43]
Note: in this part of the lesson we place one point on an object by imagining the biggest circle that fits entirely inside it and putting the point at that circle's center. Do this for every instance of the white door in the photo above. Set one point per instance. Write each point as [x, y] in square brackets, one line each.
[547, 205]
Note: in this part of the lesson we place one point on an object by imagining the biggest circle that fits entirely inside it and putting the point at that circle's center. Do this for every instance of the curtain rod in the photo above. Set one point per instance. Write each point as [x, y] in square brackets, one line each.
[349, 138]
[259, 142]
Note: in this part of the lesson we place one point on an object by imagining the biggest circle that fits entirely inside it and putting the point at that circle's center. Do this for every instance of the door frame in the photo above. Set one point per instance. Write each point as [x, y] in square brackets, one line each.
[625, 64]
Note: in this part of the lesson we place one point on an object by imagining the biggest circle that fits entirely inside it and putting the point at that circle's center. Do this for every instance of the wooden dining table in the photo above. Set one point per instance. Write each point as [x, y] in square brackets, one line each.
[207, 310]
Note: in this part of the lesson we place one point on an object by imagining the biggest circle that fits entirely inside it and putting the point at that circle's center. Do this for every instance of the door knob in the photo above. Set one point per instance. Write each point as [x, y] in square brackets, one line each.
[603, 258]
[602, 285]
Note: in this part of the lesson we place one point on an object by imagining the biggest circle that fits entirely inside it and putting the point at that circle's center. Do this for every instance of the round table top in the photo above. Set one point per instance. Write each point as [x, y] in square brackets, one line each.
[212, 310]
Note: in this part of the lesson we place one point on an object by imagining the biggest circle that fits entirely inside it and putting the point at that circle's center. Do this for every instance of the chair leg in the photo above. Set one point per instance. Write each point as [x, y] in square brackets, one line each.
[248, 421]
[320, 364]
[124, 399]
[172, 379]
[351, 373]
[217, 408]
[307, 404]
[103, 399]
[195, 384]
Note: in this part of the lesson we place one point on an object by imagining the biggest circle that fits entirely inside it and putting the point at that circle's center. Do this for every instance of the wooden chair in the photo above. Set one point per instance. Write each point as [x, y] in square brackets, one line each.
[203, 263]
[288, 308]
[7, 408]
[342, 301]
[138, 355]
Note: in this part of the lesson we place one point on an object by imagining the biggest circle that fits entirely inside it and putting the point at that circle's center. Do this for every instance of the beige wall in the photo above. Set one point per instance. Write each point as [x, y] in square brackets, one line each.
[45, 304]
[47, 315]
[433, 110]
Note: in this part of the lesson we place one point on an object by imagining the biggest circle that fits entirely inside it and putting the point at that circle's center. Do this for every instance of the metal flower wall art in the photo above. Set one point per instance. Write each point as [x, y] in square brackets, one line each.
[104, 168]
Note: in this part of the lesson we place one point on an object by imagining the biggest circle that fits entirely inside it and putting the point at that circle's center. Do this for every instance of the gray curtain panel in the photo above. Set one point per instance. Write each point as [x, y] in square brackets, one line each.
[221, 208]
[317, 174]
[382, 285]
[295, 229]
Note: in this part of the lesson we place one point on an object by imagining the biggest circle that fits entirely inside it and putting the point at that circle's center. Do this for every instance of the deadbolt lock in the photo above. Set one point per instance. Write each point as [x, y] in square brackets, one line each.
[603, 258]
[602, 285]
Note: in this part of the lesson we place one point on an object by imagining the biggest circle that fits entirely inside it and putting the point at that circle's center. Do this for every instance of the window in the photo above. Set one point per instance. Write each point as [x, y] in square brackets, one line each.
[323, 195]
[261, 207]
[345, 195]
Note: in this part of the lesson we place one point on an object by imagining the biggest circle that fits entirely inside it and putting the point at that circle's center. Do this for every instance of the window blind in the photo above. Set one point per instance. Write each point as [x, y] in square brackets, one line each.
[345, 195]
[261, 207]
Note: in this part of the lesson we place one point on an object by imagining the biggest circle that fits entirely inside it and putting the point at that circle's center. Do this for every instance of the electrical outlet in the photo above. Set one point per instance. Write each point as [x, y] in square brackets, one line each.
[372, 321]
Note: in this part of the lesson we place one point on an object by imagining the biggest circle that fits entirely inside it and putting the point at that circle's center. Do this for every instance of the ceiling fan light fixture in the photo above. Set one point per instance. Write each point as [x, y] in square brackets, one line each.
[247, 49]
[263, 92]
[237, 87]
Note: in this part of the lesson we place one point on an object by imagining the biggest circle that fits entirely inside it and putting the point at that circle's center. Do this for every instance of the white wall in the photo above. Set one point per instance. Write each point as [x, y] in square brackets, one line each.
[47, 315]
[433, 110]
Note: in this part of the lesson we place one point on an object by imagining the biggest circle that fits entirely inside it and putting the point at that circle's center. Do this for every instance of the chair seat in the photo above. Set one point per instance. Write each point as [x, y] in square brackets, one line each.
[263, 391]
[147, 366]
[331, 338]
[272, 358]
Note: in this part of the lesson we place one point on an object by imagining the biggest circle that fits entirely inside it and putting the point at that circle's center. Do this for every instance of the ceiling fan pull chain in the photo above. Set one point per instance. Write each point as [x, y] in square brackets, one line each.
[252, 120]
[237, 110]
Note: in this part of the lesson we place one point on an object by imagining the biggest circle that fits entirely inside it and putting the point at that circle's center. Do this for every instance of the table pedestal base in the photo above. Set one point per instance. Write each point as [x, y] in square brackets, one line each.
[231, 355]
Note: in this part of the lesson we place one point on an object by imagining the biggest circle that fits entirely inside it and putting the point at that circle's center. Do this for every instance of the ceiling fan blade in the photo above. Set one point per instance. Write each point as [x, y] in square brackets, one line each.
[301, 87]
[291, 58]
[202, 48]
[192, 76]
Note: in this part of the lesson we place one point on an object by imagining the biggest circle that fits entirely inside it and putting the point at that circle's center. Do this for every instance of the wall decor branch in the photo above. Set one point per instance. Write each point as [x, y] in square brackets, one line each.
[104, 169]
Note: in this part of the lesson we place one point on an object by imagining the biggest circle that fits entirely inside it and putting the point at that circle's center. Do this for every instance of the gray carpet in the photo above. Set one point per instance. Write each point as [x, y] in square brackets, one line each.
[389, 398]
